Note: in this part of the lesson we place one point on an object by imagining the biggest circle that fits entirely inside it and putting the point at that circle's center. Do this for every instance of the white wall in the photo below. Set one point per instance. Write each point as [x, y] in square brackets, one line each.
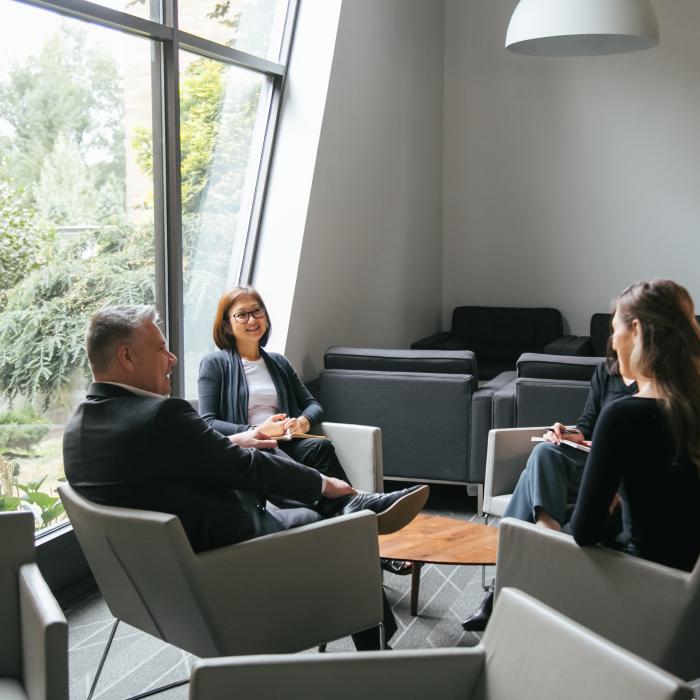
[370, 271]
[567, 178]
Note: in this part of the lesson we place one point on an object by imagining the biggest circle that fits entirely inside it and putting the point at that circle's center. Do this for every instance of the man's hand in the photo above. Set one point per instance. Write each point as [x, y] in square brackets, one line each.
[253, 438]
[335, 488]
[276, 425]
[560, 432]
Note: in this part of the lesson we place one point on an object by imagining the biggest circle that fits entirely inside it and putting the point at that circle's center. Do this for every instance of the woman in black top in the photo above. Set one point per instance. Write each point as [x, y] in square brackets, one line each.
[647, 447]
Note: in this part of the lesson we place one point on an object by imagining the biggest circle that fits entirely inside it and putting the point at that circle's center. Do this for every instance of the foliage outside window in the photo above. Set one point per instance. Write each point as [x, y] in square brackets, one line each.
[78, 226]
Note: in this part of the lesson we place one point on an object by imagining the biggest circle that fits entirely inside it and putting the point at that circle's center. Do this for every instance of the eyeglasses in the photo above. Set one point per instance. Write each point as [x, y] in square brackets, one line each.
[243, 316]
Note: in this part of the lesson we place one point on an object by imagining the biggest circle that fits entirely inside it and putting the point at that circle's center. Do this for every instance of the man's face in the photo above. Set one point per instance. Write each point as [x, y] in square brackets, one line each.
[151, 361]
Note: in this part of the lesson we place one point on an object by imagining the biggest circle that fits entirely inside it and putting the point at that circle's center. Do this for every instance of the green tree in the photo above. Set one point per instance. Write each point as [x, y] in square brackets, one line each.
[21, 243]
[48, 310]
[68, 90]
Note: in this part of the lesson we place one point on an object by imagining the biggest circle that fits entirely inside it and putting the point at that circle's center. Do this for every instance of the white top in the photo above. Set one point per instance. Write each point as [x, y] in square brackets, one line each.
[262, 395]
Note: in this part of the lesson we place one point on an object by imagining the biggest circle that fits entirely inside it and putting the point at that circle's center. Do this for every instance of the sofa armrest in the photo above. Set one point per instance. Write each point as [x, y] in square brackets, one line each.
[44, 638]
[359, 450]
[506, 455]
[581, 346]
[558, 346]
[430, 341]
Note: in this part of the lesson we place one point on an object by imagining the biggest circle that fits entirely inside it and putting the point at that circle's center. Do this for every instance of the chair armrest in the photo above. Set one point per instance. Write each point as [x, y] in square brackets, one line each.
[606, 591]
[430, 341]
[506, 454]
[44, 638]
[359, 450]
[302, 586]
[370, 674]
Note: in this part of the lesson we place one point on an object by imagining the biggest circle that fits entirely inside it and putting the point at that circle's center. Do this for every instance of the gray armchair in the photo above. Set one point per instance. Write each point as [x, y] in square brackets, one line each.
[646, 608]
[33, 630]
[546, 388]
[528, 651]
[433, 416]
[232, 600]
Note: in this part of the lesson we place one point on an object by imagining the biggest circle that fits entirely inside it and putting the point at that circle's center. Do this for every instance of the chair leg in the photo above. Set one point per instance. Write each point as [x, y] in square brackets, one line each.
[146, 693]
[103, 659]
[322, 648]
[382, 637]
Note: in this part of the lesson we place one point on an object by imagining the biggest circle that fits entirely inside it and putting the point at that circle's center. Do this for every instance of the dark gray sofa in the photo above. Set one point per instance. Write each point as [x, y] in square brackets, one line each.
[434, 418]
[497, 335]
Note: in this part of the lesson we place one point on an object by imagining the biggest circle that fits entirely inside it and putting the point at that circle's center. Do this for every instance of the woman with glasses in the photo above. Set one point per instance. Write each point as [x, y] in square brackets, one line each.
[246, 391]
[254, 396]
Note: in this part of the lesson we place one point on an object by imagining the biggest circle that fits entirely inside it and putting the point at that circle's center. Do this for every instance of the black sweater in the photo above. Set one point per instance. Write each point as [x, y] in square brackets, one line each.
[633, 452]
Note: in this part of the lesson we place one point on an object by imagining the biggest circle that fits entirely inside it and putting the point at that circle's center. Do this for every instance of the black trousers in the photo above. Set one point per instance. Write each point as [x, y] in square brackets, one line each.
[312, 452]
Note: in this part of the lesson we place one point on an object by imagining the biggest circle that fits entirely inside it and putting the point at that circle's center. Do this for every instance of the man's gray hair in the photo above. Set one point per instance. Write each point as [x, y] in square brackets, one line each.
[110, 326]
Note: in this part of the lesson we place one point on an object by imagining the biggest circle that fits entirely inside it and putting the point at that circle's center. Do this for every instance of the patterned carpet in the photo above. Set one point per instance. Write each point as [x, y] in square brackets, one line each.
[138, 662]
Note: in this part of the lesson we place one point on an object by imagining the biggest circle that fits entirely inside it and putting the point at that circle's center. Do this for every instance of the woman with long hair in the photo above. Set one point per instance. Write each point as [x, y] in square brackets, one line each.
[646, 447]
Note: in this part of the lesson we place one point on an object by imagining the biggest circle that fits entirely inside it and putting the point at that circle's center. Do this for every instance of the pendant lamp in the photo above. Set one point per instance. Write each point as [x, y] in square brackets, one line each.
[581, 27]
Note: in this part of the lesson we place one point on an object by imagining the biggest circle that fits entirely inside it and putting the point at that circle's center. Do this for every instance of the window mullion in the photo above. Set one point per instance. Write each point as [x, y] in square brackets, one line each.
[173, 200]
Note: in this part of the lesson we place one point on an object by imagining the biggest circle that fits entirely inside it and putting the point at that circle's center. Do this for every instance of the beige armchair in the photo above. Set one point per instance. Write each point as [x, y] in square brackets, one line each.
[33, 630]
[279, 593]
[649, 609]
[506, 455]
[528, 651]
[359, 449]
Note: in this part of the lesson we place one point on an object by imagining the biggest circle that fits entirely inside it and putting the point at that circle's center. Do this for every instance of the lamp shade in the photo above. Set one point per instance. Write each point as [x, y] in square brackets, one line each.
[581, 27]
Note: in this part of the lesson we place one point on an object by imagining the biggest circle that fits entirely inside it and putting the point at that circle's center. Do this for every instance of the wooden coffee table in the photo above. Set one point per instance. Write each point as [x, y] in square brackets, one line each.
[435, 539]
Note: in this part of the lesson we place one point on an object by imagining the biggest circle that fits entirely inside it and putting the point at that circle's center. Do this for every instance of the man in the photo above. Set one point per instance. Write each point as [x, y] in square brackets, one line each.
[129, 445]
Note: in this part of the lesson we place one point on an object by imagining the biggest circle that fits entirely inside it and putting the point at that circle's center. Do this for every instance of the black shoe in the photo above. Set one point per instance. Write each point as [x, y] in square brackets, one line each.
[394, 509]
[397, 566]
[478, 620]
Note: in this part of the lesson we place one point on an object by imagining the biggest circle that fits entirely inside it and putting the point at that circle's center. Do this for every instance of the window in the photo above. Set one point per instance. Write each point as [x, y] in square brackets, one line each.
[133, 156]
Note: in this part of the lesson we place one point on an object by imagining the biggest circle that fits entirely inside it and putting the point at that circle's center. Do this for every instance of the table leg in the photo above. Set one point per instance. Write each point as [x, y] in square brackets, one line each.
[415, 586]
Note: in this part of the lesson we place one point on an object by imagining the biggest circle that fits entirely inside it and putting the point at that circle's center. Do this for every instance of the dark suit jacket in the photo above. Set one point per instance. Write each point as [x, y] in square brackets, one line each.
[125, 450]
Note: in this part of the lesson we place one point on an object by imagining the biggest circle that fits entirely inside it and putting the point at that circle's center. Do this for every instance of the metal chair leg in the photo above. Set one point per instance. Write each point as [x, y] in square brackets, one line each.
[146, 693]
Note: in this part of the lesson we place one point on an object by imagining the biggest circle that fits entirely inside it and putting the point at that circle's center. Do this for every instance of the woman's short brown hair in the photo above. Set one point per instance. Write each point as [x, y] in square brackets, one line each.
[220, 331]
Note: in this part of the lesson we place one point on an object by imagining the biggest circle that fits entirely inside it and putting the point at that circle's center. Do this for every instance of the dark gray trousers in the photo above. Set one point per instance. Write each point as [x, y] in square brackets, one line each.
[550, 481]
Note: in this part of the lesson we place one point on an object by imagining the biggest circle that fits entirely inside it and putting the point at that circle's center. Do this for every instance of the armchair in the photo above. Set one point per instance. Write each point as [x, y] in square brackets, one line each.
[228, 601]
[33, 629]
[594, 345]
[649, 609]
[529, 651]
[434, 419]
[359, 449]
[546, 388]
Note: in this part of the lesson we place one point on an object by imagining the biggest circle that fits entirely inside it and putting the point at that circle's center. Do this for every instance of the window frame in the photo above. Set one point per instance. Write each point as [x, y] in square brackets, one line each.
[57, 546]
[168, 213]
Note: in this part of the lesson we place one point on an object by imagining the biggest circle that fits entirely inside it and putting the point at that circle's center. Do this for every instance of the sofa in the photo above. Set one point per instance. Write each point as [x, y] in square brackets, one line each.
[496, 335]
[433, 415]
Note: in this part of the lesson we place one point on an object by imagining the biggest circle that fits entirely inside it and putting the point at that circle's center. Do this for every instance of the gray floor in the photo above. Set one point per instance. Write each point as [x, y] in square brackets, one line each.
[138, 662]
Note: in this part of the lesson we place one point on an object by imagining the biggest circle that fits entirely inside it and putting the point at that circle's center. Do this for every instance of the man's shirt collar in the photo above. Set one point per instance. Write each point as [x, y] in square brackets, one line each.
[136, 390]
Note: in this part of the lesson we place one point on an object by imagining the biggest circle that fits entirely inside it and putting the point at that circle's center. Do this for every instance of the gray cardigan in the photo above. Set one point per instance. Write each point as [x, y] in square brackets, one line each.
[223, 391]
